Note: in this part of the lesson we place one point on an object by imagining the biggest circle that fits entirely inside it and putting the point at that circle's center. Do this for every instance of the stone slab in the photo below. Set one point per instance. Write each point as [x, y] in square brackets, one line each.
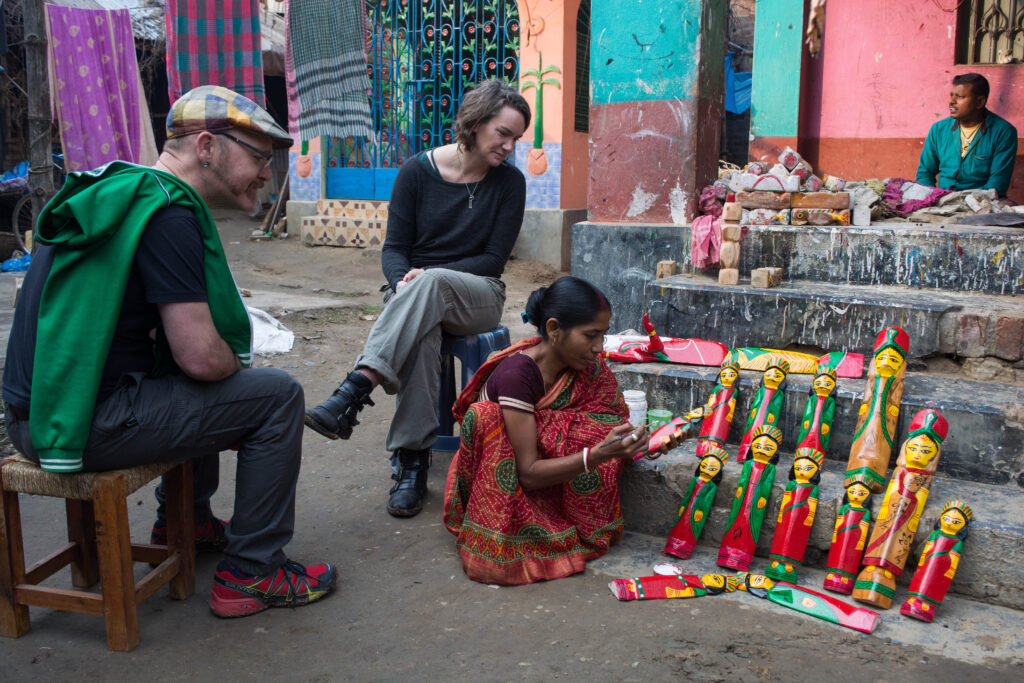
[986, 437]
[992, 568]
[833, 317]
[965, 629]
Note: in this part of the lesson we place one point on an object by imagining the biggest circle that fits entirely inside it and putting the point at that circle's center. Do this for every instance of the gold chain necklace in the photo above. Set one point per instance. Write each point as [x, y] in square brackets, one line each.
[462, 170]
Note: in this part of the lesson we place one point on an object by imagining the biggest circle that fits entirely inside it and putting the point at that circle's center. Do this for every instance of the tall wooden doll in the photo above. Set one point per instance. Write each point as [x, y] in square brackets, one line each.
[848, 540]
[816, 424]
[879, 411]
[887, 551]
[767, 405]
[716, 414]
[796, 515]
[939, 560]
[751, 501]
[697, 503]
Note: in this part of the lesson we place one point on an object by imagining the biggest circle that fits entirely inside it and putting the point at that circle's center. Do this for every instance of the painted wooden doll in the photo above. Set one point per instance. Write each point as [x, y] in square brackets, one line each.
[879, 411]
[939, 560]
[657, 587]
[751, 501]
[767, 405]
[848, 540]
[816, 424]
[796, 515]
[697, 503]
[716, 414]
[887, 550]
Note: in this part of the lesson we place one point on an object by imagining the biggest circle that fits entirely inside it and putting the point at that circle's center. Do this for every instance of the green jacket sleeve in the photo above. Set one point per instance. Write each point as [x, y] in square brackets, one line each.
[1004, 153]
[928, 166]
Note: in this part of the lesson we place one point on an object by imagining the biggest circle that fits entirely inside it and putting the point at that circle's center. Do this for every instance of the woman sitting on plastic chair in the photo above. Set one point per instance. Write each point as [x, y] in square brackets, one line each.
[533, 492]
[454, 216]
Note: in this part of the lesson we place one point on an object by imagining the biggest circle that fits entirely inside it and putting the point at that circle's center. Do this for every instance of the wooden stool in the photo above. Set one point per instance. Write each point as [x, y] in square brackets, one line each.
[99, 547]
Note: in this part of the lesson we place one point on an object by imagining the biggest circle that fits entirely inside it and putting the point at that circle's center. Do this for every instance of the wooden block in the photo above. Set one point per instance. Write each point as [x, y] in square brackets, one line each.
[821, 200]
[728, 276]
[732, 232]
[729, 255]
[732, 212]
[763, 278]
[764, 200]
[666, 268]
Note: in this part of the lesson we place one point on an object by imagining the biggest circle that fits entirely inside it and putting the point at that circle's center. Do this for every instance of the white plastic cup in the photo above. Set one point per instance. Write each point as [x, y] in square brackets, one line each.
[636, 401]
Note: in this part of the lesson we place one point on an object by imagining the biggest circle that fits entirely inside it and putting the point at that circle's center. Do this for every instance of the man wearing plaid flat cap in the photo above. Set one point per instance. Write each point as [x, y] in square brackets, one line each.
[138, 348]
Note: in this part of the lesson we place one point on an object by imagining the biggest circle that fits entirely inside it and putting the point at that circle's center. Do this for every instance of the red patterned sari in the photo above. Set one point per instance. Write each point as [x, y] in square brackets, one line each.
[509, 536]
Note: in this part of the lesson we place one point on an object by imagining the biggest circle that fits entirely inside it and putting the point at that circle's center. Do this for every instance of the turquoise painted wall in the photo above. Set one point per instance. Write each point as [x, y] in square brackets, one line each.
[643, 50]
[775, 90]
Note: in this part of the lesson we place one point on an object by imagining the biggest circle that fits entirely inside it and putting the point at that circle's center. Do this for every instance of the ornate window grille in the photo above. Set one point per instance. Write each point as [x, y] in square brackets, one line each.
[581, 120]
[990, 32]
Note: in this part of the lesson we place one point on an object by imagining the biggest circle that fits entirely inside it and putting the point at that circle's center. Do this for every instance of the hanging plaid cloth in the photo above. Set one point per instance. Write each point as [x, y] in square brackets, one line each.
[215, 43]
[330, 67]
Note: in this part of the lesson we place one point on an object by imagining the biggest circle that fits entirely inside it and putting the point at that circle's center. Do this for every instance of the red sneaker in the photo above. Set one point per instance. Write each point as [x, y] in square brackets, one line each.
[237, 594]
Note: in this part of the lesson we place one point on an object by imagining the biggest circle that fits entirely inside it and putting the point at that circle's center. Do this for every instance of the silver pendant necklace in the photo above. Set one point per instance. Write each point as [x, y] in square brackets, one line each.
[462, 170]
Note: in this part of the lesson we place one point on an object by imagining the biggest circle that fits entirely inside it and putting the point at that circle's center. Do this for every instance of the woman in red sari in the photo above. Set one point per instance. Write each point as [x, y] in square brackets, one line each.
[532, 492]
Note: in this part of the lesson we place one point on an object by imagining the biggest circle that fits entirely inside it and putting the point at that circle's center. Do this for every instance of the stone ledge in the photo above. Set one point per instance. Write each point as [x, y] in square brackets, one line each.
[992, 569]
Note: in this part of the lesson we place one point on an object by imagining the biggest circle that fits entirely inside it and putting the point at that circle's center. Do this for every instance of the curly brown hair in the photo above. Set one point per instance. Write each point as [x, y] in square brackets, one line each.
[481, 104]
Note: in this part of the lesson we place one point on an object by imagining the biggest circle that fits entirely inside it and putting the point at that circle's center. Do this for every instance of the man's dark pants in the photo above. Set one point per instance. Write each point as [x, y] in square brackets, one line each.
[174, 418]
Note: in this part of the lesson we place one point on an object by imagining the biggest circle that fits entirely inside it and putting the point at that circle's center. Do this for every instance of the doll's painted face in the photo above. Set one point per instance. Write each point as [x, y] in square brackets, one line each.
[804, 469]
[728, 376]
[888, 363]
[764, 447]
[858, 493]
[824, 385]
[920, 451]
[710, 466]
[773, 377]
[952, 521]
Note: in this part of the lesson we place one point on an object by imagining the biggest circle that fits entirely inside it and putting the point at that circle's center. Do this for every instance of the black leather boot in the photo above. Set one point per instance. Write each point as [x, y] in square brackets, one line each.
[410, 477]
[335, 417]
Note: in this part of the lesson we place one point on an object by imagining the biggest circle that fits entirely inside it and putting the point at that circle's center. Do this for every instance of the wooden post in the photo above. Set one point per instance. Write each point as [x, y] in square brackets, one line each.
[729, 258]
[40, 121]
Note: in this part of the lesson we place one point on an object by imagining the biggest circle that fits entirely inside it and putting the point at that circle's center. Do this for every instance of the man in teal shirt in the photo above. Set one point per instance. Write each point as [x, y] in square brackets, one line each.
[974, 148]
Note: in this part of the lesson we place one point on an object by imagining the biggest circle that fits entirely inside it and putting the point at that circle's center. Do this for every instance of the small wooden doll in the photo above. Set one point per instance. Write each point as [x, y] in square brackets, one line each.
[751, 501]
[657, 587]
[848, 540]
[716, 414]
[796, 516]
[697, 503]
[816, 424]
[939, 560]
[879, 411]
[887, 551]
[767, 405]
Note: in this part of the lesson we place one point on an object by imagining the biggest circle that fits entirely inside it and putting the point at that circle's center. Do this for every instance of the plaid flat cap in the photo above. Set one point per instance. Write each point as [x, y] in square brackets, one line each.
[215, 108]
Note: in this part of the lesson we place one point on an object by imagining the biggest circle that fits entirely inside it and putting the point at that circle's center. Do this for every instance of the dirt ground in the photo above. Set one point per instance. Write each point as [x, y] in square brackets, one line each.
[403, 608]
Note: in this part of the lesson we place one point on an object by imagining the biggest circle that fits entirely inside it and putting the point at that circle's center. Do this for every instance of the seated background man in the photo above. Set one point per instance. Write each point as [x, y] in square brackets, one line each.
[974, 148]
[130, 336]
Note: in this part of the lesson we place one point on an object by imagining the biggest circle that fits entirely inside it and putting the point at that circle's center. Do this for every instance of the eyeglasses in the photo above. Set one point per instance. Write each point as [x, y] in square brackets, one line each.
[266, 156]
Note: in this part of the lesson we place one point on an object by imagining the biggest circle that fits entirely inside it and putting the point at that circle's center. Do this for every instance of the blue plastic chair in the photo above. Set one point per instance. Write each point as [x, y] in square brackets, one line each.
[472, 352]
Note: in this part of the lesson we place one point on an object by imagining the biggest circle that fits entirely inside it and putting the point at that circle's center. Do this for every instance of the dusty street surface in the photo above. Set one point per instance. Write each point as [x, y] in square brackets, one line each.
[403, 608]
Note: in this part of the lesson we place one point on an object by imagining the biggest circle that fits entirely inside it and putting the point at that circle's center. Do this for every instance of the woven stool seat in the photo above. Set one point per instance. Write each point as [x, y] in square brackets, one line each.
[24, 476]
[99, 547]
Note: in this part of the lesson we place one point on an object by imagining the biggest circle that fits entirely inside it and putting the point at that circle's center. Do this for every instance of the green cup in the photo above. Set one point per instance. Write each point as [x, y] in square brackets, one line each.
[657, 418]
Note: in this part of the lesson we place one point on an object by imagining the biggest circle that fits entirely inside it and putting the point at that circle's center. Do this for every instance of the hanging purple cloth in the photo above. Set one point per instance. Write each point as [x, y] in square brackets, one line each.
[95, 86]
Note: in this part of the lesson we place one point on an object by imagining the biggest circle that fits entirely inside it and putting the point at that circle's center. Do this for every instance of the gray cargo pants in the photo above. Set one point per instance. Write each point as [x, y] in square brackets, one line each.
[404, 345]
[259, 411]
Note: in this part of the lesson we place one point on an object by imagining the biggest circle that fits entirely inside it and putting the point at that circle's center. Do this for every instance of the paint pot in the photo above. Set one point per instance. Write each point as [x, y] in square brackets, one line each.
[657, 417]
[636, 402]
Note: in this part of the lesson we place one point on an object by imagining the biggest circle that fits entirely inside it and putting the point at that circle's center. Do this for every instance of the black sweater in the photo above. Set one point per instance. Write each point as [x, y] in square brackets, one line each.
[430, 224]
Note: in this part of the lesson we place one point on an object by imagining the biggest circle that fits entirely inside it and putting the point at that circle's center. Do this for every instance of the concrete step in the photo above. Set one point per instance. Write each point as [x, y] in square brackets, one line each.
[837, 317]
[965, 630]
[620, 258]
[986, 423]
[991, 569]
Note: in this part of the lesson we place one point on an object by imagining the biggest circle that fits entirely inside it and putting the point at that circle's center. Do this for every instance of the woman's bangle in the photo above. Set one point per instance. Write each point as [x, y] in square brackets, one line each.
[586, 452]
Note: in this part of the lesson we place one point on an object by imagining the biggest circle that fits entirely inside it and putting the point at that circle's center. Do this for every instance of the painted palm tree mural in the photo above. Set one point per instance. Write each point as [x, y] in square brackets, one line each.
[536, 160]
[422, 56]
